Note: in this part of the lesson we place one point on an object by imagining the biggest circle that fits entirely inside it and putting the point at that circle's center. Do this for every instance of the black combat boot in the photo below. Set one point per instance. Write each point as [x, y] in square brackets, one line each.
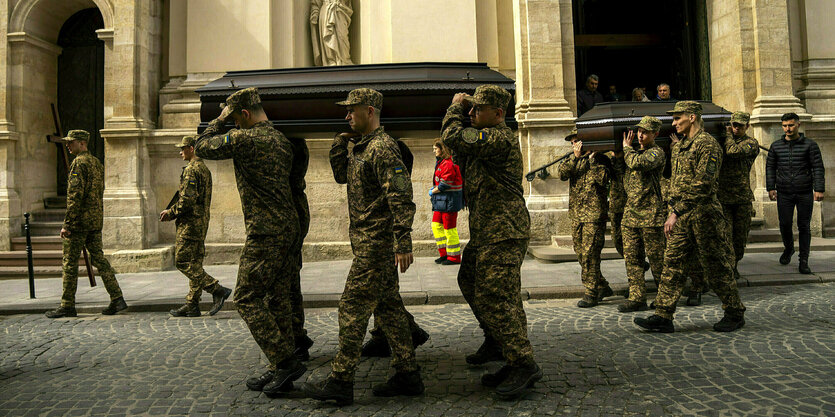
[631, 306]
[286, 372]
[331, 390]
[303, 345]
[489, 351]
[492, 380]
[441, 259]
[803, 268]
[519, 379]
[257, 383]
[655, 323]
[604, 291]
[61, 312]
[786, 257]
[694, 298]
[587, 302]
[115, 306]
[218, 298]
[376, 347]
[401, 383]
[419, 337]
[186, 310]
[729, 323]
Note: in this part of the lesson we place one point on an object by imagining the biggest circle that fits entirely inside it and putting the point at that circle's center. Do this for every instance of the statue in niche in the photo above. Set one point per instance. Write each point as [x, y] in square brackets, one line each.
[329, 22]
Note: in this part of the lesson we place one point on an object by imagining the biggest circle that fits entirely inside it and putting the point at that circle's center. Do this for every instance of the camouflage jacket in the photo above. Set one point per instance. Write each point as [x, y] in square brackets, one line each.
[380, 204]
[696, 163]
[85, 190]
[262, 158]
[617, 193]
[735, 173]
[192, 209]
[588, 189]
[492, 175]
[301, 159]
[645, 206]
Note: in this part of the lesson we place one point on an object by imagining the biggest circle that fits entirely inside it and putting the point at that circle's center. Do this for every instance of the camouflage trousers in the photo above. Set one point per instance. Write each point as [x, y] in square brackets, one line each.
[262, 294]
[702, 233]
[617, 230]
[372, 287]
[72, 246]
[296, 299]
[490, 279]
[377, 330]
[640, 243]
[188, 258]
[739, 224]
[588, 243]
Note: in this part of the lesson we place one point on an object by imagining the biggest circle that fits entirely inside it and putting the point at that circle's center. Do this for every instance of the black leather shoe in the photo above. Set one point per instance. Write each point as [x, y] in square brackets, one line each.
[492, 380]
[694, 299]
[729, 323]
[655, 323]
[632, 306]
[257, 383]
[218, 298]
[489, 351]
[331, 390]
[186, 310]
[376, 347]
[302, 352]
[419, 337]
[288, 371]
[519, 380]
[441, 259]
[786, 257]
[587, 302]
[446, 261]
[115, 306]
[401, 383]
[61, 312]
[803, 268]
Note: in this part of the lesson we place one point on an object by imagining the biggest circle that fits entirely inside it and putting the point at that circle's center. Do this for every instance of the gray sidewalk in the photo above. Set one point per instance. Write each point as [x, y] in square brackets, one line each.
[424, 283]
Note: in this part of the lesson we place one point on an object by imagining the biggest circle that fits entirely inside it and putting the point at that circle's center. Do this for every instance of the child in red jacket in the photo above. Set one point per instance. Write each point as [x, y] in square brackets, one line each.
[447, 197]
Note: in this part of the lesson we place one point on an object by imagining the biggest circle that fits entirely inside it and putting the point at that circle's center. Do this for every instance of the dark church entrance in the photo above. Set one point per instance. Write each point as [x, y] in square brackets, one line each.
[643, 43]
[81, 83]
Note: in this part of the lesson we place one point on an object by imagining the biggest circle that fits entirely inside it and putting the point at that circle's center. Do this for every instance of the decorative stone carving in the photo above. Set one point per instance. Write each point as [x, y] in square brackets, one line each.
[329, 23]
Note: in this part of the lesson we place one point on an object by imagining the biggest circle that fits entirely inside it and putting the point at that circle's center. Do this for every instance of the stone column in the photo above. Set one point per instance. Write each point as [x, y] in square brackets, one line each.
[545, 104]
[9, 199]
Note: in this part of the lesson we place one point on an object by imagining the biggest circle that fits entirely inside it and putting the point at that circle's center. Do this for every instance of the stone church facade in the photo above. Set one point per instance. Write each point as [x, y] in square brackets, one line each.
[143, 60]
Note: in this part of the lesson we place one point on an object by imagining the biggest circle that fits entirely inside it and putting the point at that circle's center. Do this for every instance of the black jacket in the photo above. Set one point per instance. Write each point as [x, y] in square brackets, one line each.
[586, 100]
[794, 166]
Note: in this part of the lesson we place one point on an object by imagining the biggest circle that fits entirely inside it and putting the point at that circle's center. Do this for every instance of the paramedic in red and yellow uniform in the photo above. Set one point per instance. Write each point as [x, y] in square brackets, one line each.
[447, 199]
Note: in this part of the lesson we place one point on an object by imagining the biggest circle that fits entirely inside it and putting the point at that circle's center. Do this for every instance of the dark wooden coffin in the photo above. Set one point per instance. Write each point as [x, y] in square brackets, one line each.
[602, 127]
[301, 100]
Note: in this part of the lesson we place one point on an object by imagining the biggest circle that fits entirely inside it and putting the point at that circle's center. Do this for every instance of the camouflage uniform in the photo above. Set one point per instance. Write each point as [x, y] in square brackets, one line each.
[262, 158]
[301, 158]
[645, 212]
[85, 190]
[191, 214]
[381, 212]
[735, 186]
[587, 208]
[490, 272]
[701, 224]
[617, 199]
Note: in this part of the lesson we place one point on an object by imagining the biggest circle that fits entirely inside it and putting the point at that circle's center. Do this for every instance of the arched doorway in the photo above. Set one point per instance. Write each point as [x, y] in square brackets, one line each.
[81, 82]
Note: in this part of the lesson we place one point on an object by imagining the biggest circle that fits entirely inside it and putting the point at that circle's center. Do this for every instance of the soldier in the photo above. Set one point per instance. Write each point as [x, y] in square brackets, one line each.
[695, 225]
[82, 227]
[381, 211]
[301, 159]
[490, 272]
[588, 176]
[734, 190]
[645, 211]
[263, 158]
[191, 213]
[617, 198]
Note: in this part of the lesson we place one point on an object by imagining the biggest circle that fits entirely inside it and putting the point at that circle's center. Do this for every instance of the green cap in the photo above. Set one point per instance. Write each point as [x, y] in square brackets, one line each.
[649, 123]
[491, 95]
[740, 117]
[686, 106]
[571, 135]
[187, 141]
[243, 99]
[365, 96]
[74, 135]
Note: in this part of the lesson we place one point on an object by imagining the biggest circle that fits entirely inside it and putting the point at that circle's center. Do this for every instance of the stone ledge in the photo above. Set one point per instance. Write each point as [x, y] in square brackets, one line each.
[781, 279]
[157, 258]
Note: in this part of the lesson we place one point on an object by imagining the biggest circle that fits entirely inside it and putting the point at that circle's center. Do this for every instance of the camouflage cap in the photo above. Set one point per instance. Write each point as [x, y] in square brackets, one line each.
[649, 123]
[365, 96]
[491, 95]
[740, 117]
[687, 106]
[187, 141]
[571, 135]
[74, 135]
[243, 99]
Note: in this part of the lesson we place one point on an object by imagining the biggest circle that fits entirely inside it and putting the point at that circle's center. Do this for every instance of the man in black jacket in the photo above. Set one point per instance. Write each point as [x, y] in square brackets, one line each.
[794, 176]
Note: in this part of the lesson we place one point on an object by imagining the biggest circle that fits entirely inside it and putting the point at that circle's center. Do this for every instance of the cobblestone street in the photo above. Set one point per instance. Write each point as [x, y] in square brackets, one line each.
[595, 361]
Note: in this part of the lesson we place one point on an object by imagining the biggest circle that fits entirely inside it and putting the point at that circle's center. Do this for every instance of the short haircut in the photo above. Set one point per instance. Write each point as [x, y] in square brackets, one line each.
[662, 85]
[790, 116]
[592, 77]
[377, 110]
[253, 108]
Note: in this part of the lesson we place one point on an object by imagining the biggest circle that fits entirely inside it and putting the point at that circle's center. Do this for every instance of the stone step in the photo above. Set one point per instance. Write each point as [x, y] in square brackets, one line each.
[22, 272]
[764, 235]
[47, 215]
[55, 202]
[43, 229]
[754, 236]
[39, 258]
[39, 243]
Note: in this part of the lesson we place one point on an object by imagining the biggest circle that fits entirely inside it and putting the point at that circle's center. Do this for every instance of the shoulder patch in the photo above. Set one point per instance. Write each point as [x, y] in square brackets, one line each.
[711, 165]
[471, 135]
[399, 170]
[400, 182]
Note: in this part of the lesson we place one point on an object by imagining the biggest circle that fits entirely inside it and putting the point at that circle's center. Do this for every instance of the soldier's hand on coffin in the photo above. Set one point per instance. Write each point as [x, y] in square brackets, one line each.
[628, 137]
[578, 148]
[459, 98]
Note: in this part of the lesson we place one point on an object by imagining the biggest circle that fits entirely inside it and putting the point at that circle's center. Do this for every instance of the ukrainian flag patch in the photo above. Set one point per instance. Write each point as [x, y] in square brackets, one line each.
[226, 139]
[398, 170]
